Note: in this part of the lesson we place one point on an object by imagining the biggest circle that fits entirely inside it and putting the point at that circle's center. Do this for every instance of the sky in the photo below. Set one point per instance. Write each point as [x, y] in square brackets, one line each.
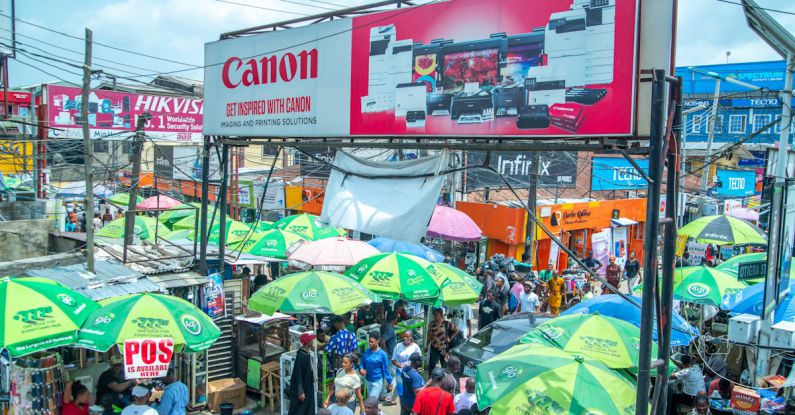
[177, 30]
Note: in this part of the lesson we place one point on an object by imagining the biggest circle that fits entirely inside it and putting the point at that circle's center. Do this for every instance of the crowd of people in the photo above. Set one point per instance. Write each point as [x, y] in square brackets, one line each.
[113, 391]
[76, 220]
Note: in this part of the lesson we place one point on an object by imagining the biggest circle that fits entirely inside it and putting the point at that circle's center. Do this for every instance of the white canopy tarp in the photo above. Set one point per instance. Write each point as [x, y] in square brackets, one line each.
[390, 199]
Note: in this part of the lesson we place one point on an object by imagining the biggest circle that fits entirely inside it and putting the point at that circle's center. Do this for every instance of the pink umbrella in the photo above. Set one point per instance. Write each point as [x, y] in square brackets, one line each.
[158, 202]
[333, 252]
[744, 213]
[453, 225]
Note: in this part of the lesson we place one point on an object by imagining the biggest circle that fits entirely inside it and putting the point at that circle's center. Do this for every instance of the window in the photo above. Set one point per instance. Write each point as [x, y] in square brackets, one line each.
[718, 124]
[737, 124]
[762, 120]
[101, 146]
[695, 125]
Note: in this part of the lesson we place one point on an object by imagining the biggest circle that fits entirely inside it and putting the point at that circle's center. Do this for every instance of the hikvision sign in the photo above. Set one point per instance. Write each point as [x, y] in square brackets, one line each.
[114, 115]
[453, 68]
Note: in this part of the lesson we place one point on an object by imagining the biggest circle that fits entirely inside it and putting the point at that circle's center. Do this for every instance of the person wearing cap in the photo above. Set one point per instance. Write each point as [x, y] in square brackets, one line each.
[592, 262]
[302, 380]
[140, 405]
[412, 383]
[111, 382]
[433, 400]
[612, 275]
[528, 300]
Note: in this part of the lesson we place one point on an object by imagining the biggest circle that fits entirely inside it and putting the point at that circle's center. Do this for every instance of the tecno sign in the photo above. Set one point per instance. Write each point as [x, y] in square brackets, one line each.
[269, 69]
[736, 183]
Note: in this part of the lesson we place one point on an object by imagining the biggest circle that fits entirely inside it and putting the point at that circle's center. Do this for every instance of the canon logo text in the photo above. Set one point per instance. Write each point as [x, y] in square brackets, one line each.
[269, 69]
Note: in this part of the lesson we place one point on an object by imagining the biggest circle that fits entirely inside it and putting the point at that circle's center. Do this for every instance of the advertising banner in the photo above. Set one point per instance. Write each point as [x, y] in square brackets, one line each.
[147, 358]
[164, 161]
[454, 68]
[612, 173]
[188, 164]
[620, 245]
[600, 244]
[555, 170]
[787, 242]
[112, 113]
[274, 198]
[16, 157]
[214, 303]
[734, 183]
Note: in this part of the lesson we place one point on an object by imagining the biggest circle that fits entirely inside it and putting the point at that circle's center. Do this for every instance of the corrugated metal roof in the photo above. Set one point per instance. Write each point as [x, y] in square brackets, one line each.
[174, 280]
[110, 279]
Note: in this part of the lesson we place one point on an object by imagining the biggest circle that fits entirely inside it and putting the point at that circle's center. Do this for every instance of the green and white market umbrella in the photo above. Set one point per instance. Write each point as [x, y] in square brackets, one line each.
[262, 225]
[144, 228]
[538, 379]
[235, 232]
[177, 213]
[724, 230]
[308, 226]
[190, 221]
[40, 314]
[704, 285]
[394, 275]
[275, 243]
[460, 287]
[147, 315]
[123, 199]
[313, 292]
[614, 342]
[731, 266]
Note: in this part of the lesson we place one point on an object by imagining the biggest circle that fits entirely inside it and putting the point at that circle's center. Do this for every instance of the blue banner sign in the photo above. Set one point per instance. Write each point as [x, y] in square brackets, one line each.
[611, 173]
[733, 183]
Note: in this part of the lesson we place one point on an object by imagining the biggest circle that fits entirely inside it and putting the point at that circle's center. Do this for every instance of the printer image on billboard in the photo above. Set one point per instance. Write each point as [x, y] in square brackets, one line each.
[548, 71]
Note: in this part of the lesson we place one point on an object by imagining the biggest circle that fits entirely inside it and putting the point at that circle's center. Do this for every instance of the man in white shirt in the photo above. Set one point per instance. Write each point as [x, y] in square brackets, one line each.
[461, 316]
[528, 300]
[692, 380]
[140, 405]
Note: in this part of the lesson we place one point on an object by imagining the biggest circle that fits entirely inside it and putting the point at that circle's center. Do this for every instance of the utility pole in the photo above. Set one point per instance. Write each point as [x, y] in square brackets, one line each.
[88, 155]
[713, 121]
[137, 145]
[532, 201]
[777, 225]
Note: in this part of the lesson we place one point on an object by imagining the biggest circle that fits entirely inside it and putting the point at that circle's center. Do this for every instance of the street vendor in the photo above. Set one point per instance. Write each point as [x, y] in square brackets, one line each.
[111, 382]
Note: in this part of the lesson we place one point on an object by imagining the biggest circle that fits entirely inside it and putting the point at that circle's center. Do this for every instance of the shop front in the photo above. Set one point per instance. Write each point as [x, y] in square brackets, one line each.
[303, 199]
[503, 226]
[607, 227]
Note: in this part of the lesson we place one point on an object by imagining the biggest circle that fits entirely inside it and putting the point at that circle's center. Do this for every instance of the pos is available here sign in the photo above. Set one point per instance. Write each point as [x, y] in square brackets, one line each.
[147, 358]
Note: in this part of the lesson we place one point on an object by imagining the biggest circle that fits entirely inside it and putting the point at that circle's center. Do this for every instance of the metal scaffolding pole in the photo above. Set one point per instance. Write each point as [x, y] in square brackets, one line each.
[222, 206]
[208, 144]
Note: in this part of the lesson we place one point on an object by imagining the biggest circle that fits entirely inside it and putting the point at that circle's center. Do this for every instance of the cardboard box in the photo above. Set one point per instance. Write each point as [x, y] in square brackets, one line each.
[745, 401]
[232, 390]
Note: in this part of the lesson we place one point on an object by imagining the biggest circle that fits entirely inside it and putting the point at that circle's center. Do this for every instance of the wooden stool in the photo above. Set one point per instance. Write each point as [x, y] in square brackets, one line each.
[270, 381]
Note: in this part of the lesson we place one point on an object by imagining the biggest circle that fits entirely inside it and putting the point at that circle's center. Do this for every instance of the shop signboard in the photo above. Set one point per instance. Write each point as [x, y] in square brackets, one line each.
[787, 242]
[620, 245]
[616, 173]
[449, 69]
[147, 358]
[113, 115]
[736, 183]
[555, 169]
[752, 270]
[164, 161]
[697, 253]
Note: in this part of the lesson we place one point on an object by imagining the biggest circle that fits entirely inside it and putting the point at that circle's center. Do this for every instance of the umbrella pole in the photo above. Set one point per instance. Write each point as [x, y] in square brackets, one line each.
[317, 356]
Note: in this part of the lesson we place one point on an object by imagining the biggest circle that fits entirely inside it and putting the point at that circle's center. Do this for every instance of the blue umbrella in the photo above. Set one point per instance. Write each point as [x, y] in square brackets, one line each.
[749, 301]
[391, 245]
[612, 305]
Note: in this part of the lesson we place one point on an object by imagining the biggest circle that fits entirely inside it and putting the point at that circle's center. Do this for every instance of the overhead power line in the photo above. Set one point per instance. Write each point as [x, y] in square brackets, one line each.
[100, 44]
[262, 8]
[760, 7]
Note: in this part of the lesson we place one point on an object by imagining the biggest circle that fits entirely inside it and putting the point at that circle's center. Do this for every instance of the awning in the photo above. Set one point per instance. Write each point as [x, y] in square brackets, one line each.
[179, 279]
[110, 279]
[622, 222]
[263, 319]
